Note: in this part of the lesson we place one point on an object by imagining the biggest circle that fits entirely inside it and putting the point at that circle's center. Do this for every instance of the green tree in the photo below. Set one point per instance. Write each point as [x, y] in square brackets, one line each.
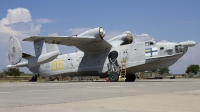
[162, 71]
[12, 72]
[192, 69]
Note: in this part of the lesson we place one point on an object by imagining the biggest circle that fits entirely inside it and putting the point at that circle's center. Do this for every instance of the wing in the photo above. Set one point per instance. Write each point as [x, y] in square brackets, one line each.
[87, 44]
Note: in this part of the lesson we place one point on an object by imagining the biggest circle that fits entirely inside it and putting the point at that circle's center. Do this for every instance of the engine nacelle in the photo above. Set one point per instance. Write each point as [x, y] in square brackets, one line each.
[98, 33]
[122, 39]
[128, 39]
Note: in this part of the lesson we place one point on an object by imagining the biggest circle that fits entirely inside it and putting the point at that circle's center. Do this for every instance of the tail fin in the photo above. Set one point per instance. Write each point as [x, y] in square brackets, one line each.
[42, 48]
[14, 50]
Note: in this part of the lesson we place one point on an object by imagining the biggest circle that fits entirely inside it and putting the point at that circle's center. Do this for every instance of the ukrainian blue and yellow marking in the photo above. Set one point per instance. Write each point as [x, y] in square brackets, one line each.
[151, 51]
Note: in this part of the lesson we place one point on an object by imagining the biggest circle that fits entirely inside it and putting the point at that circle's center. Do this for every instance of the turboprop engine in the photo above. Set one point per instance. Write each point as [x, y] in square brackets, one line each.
[98, 33]
[123, 39]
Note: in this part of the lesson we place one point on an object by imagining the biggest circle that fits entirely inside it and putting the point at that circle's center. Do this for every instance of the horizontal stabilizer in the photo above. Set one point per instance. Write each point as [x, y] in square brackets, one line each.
[22, 64]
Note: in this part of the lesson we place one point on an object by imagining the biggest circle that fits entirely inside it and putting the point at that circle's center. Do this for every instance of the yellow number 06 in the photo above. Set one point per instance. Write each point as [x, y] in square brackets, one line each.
[57, 65]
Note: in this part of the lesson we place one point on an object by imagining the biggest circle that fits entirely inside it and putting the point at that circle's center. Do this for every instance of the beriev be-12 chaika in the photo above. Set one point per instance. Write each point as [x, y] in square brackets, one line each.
[114, 58]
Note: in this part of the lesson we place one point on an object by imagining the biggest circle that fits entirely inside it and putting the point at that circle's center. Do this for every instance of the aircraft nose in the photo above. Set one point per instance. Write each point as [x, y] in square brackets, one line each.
[188, 43]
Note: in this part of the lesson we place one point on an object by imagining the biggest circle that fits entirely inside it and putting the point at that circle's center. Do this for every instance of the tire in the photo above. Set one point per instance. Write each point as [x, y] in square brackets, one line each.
[130, 78]
[34, 78]
[113, 77]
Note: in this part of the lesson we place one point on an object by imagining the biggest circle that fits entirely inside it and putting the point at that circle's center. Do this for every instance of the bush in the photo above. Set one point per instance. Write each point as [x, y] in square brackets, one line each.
[190, 75]
[2, 74]
[12, 72]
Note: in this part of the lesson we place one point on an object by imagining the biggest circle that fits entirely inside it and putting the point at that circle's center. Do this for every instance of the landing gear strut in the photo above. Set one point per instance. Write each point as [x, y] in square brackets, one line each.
[130, 78]
[113, 67]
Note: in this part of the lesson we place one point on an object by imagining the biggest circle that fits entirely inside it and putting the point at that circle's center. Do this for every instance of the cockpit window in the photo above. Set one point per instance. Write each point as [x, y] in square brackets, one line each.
[151, 43]
[146, 43]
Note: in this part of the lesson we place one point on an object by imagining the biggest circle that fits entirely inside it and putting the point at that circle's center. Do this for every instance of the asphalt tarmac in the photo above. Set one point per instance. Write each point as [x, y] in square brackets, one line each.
[161, 95]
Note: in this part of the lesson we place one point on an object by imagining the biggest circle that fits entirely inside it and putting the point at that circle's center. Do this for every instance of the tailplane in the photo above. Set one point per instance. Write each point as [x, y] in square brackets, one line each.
[43, 53]
[14, 50]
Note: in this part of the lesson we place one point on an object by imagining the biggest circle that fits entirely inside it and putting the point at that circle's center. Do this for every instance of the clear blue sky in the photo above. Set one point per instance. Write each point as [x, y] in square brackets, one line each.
[173, 20]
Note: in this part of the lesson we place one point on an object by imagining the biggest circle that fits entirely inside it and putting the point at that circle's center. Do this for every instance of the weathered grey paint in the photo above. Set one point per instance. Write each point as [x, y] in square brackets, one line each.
[96, 64]
[94, 60]
[14, 50]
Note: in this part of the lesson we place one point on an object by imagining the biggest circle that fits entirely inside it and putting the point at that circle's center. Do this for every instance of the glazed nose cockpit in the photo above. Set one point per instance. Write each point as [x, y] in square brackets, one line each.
[178, 48]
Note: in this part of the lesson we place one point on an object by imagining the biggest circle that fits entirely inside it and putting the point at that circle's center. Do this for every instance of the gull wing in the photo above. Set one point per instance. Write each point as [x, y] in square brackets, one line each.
[87, 44]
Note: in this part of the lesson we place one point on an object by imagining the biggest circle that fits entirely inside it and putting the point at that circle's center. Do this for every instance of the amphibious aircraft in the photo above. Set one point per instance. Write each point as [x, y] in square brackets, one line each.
[114, 58]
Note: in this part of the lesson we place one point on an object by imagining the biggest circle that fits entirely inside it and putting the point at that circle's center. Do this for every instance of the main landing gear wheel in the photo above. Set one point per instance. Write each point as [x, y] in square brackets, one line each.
[130, 78]
[34, 78]
[113, 77]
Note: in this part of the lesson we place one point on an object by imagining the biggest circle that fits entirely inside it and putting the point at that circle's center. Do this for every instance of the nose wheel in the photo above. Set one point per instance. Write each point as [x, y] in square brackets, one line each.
[114, 77]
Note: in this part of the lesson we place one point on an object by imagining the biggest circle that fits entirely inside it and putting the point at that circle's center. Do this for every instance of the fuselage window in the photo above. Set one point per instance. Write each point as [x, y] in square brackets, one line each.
[161, 48]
